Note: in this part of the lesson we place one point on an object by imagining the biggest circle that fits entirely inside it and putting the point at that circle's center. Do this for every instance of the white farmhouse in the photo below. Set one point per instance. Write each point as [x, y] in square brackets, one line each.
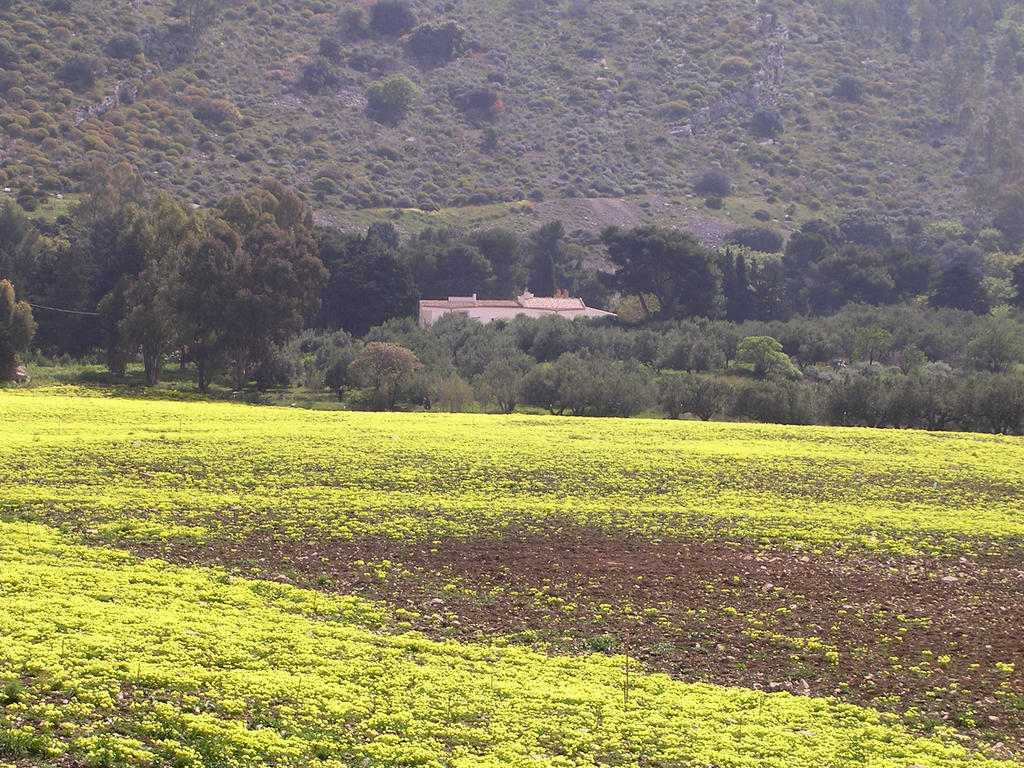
[486, 310]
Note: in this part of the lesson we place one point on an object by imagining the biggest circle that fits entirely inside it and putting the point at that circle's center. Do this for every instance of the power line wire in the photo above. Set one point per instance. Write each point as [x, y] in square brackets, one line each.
[66, 311]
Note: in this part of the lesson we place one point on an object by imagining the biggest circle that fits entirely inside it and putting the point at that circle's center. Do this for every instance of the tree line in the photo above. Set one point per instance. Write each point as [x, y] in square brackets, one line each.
[92, 260]
[230, 288]
[859, 367]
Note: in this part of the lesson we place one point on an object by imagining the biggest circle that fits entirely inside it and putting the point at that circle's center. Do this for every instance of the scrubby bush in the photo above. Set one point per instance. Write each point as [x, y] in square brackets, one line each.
[10, 81]
[675, 110]
[8, 54]
[79, 72]
[352, 23]
[216, 111]
[480, 105]
[713, 182]
[391, 17]
[766, 123]
[437, 42]
[367, 62]
[762, 239]
[319, 76]
[329, 48]
[124, 45]
[848, 88]
[389, 100]
[734, 66]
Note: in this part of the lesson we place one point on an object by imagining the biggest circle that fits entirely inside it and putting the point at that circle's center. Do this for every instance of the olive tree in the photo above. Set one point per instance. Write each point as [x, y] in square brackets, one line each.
[386, 368]
[763, 357]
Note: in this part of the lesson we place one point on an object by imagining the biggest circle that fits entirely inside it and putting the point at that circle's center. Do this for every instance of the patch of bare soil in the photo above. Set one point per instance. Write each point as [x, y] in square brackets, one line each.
[711, 232]
[591, 214]
[938, 640]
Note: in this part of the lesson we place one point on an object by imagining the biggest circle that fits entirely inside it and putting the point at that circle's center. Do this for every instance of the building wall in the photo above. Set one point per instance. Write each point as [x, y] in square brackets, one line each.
[429, 315]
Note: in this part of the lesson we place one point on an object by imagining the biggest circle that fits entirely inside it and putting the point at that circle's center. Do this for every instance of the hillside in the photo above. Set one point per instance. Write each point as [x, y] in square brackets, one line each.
[804, 106]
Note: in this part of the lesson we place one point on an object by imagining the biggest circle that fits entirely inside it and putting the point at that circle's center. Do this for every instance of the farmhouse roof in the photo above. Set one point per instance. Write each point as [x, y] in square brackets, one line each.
[486, 310]
[527, 300]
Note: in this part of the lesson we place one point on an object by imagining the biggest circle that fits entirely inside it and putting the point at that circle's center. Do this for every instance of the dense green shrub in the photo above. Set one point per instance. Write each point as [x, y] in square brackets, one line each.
[17, 327]
[713, 182]
[848, 88]
[766, 123]
[319, 76]
[79, 71]
[778, 402]
[763, 239]
[583, 385]
[435, 42]
[124, 45]
[391, 17]
[330, 48]
[703, 396]
[480, 105]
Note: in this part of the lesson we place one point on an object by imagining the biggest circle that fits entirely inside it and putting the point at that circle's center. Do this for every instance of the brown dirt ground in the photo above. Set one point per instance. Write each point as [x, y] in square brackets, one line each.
[702, 611]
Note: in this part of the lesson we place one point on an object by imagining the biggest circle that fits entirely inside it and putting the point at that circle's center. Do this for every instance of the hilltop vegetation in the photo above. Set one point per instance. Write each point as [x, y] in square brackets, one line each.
[908, 108]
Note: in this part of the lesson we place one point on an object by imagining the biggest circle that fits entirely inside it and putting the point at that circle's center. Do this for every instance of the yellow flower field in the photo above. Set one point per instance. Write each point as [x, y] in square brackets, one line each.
[355, 589]
[186, 467]
[139, 663]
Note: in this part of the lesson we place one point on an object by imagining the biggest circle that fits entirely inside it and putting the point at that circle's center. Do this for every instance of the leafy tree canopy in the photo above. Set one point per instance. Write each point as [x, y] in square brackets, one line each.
[16, 329]
[763, 357]
[389, 100]
[671, 265]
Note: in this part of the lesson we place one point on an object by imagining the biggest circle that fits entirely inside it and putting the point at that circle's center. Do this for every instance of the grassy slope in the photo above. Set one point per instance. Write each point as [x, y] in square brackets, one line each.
[594, 94]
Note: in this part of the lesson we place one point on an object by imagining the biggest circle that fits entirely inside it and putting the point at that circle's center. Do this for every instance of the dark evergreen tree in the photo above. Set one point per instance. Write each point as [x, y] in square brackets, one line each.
[553, 265]
[959, 286]
[669, 264]
[740, 298]
[852, 274]
[504, 252]
[202, 294]
[1018, 284]
[442, 265]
